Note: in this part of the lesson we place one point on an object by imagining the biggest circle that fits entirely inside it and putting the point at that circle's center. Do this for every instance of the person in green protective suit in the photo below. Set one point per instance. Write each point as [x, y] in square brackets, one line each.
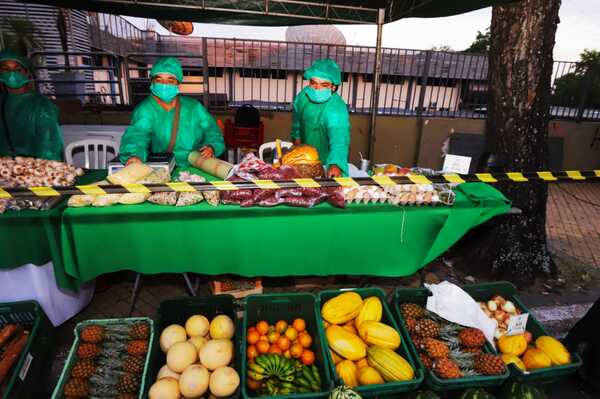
[28, 120]
[153, 119]
[320, 117]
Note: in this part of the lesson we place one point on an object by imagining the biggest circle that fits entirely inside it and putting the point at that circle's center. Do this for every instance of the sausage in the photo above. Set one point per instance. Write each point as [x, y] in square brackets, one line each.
[13, 350]
[7, 332]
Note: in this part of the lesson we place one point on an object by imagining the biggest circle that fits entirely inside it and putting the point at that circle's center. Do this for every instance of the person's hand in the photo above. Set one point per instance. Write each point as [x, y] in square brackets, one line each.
[297, 142]
[207, 152]
[133, 160]
[334, 171]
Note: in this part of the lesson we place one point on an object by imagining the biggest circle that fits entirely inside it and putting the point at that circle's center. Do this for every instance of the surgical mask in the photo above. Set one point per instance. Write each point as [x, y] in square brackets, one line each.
[165, 92]
[318, 96]
[13, 80]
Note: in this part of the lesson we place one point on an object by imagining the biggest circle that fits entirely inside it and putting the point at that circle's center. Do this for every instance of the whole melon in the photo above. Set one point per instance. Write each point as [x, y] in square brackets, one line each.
[198, 341]
[224, 381]
[165, 388]
[172, 335]
[197, 325]
[222, 327]
[216, 353]
[165, 372]
[194, 381]
[181, 355]
[476, 393]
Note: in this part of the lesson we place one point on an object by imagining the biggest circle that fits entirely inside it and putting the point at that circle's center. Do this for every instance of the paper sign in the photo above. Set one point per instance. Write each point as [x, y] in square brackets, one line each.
[457, 164]
[517, 324]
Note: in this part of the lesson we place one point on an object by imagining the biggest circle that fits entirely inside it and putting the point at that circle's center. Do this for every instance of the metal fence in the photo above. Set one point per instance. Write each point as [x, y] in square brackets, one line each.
[224, 73]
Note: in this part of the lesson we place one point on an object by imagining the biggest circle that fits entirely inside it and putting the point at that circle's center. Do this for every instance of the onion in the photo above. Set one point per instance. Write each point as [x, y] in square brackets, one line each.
[509, 307]
[499, 300]
[500, 315]
[492, 306]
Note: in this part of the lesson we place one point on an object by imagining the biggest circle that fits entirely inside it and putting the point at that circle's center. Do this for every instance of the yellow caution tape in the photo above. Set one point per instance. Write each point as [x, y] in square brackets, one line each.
[224, 185]
[137, 188]
[91, 189]
[516, 176]
[547, 176]
[266, 184]
[181, 187]
[486, 177]
[419, 179]
[44, 191]
[383, 181]
[597, 172]
[4, 194]
[307, 183]
[346, 182]
[453, 178]
[575, 175]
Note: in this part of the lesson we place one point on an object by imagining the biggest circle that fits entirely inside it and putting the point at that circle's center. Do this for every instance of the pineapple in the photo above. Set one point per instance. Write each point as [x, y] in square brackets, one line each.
[88, 350]
[77, 388]
[488, 364]
[412, 311]
[472, 350]
[93, 334]
[133, 365]
[83, 369]
[137, 347]
[140, 331]
[471, 338]
[446, 368]
[426, 360]
[128, 383]
[127, 396]
[426, 328]
[410, 324]
[434, 348]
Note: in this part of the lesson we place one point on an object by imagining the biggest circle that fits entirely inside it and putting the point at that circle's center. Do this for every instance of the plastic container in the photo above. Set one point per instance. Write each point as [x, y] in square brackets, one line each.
[483, 292]
[24, 377]
[72, 357]
[288, 306]
[177, 311]
[389, 388]
[432, 381]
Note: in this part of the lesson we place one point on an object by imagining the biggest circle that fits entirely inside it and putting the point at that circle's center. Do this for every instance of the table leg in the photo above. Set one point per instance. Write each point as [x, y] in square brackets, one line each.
[188, 282]
[134, 293]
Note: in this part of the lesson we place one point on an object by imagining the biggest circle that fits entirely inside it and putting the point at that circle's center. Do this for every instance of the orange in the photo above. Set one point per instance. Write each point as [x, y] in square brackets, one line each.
[252, 337]
[291, 333]
[305, 340]
[287, 354]
[284, 343]
[253, 385]
[299, 325]
[262, 327]
[250, 329]
[263, 338]
[273, 336]
[251, 352]
[275, 349]
[262, 347]
[296, 351]
[308, 357]
[281, 326]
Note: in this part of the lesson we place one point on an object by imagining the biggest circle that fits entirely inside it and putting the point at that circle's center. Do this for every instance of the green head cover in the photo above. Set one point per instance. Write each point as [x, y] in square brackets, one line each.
[170, 65]
[325, 69]
[8, 55]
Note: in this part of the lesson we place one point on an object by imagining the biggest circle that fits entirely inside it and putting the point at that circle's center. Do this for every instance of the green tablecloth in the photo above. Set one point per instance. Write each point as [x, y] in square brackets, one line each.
[371, 239]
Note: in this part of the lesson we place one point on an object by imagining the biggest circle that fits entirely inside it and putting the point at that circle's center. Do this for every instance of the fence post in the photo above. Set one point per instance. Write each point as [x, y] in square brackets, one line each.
[376, 83]
[422, 93]
[589, 79]
[205, 85]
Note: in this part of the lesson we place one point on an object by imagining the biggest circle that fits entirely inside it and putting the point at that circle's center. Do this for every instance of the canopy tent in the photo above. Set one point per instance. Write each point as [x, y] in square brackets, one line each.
[287, 12]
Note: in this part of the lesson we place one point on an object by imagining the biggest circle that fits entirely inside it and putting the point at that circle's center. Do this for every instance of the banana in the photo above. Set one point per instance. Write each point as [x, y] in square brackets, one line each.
[257, 368]
[263, 361]
[256, 376]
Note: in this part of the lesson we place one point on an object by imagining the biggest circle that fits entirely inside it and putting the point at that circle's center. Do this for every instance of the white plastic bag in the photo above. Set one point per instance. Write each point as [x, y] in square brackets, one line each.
[452, 303]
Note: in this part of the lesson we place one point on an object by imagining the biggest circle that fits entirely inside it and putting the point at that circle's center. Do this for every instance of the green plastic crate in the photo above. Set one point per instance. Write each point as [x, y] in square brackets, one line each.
[177, 311]
[24, 377]
[72, 357]
[287, 306]
[432, 381]
[389, 388]
[483, 292]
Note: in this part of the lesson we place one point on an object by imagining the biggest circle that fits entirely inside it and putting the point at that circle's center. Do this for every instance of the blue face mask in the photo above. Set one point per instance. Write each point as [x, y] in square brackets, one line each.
[13, 80]
[165, 92]
[318, 96]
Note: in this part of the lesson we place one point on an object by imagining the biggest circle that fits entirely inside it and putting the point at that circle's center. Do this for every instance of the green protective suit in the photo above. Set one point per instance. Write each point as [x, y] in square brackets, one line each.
[151, 129]
[30, 122]
[325, 126]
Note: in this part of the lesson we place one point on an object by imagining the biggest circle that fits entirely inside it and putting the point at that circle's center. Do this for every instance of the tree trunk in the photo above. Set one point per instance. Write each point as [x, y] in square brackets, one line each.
[520, 71]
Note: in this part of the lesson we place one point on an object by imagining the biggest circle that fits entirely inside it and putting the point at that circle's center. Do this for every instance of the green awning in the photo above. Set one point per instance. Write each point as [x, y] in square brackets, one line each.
[277, 12]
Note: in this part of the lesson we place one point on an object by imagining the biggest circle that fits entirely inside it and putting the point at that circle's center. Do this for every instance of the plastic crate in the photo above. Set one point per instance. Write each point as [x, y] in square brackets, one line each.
[389, 388]
[483, 292]
[177, 311]
[72, 357]
[288, 306]
[432, 381]
[24, 377]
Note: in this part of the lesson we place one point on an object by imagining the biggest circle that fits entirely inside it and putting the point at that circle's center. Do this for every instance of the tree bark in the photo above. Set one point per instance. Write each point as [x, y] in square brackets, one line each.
[520, 71]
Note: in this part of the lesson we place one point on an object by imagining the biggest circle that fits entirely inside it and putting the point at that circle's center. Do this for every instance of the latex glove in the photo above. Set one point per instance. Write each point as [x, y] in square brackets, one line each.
[334, 171]
[207, 152]
[297, 142]
[133, 160]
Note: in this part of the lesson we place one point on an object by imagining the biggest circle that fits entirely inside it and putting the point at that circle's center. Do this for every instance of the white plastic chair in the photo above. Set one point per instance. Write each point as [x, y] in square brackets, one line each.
[99, 148]
[271, 146]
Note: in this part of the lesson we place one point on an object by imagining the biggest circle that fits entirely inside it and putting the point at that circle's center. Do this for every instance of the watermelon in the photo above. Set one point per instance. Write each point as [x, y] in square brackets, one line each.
[476, 393]
[423, 395]
[516, 390]
[344, 392]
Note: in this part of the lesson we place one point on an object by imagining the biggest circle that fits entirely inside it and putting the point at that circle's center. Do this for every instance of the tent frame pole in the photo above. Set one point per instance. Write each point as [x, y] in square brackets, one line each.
[376, 83]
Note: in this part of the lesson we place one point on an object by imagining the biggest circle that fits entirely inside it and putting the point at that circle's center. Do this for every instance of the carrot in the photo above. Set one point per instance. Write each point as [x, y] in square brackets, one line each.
[6, 332]
[13, 350]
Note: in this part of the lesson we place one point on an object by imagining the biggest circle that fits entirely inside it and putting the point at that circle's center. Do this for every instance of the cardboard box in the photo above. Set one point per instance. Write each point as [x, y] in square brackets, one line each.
[238, 288]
